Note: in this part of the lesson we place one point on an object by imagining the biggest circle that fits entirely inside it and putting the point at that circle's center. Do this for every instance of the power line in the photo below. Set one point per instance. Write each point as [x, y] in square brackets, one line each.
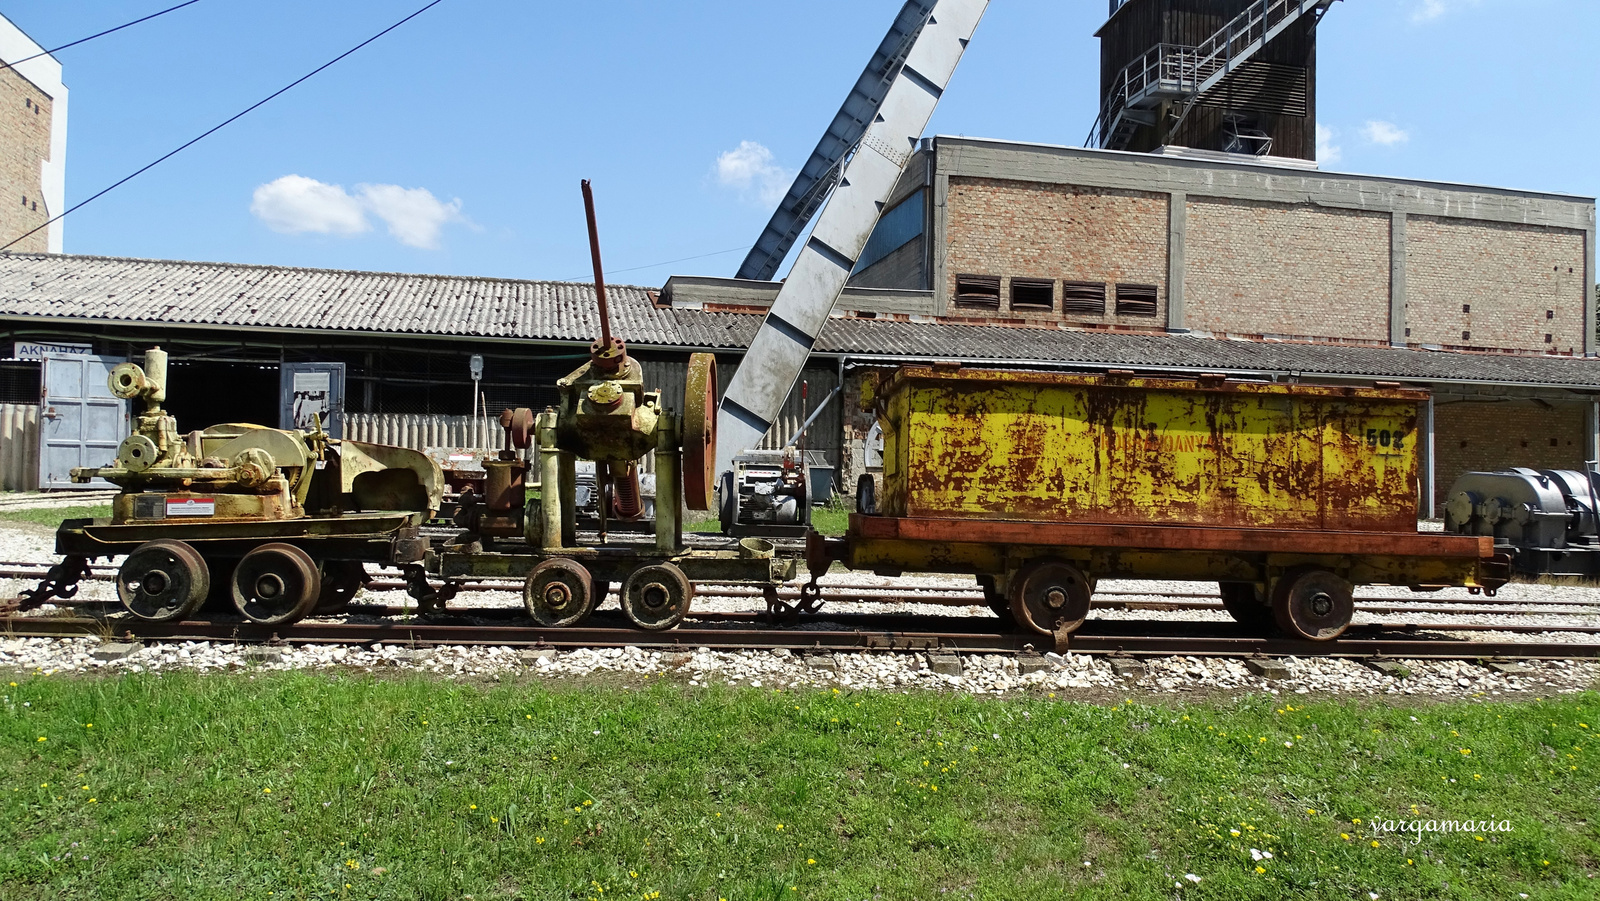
[214, 129]
[702, 256]
[5, 65]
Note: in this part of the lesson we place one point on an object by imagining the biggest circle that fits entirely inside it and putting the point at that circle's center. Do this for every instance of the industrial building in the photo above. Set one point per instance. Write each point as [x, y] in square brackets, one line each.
[1198, 235]
[33, 141]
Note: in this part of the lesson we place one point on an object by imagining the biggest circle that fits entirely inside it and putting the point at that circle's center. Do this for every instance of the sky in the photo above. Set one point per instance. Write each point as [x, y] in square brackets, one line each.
[456, 143]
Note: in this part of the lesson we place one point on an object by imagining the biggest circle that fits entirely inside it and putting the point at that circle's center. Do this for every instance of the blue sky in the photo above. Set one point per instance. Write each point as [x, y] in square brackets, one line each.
[456, 144]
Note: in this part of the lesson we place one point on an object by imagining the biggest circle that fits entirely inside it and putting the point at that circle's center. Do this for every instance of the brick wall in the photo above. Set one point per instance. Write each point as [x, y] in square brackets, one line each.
[1277, 269]
[1487, 284]
[1057, 232]
[1475, 436]
[24, 146]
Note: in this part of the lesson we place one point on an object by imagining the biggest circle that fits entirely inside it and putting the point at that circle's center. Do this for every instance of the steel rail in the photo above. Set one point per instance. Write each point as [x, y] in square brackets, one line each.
[1156, 639]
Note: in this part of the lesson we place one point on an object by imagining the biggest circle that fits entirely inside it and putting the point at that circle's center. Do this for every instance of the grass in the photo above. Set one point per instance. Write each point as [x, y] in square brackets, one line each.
[53, 516]
[316, 786]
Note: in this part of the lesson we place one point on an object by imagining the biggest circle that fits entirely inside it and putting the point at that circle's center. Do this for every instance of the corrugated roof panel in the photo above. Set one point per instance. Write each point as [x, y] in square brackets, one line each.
[222, 294]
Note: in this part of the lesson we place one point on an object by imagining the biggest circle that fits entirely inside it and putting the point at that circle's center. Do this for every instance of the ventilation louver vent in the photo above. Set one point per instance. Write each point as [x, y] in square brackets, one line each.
[1136, 300]
[1086, 298]
[978, 291]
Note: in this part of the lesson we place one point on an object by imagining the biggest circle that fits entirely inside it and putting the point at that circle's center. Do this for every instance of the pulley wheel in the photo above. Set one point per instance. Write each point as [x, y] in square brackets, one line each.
[657, 596]
[163, 581]
[559, 592]
[1050, 596]
[1313, 604]
[1247, 603]
[700, 432]
[276, 584]
[341, 579]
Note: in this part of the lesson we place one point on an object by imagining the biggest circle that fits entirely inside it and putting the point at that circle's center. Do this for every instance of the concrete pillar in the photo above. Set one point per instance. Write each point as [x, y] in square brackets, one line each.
[940, 239]
[1592, 429]
[1177, 240]
[1589, 311]
[1397, 280]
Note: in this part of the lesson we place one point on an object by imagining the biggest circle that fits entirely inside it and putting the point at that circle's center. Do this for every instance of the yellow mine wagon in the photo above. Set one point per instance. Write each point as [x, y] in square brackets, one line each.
[1042, 483]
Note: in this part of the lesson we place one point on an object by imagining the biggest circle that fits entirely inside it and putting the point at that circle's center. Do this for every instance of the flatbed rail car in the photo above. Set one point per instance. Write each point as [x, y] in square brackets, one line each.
[1040, 484]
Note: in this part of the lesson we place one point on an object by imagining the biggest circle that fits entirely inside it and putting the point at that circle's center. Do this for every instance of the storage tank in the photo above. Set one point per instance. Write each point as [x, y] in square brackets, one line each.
[1054, 447]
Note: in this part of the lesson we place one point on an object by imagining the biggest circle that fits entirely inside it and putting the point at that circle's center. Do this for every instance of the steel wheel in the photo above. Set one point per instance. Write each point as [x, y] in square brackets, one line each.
[1313, 604]
[657, 597]
[1247, 603]
[700, 432]
[163, 581]
[1050, 596]
[995, 600]
[276, 584]
[559, 592]
[341, 579]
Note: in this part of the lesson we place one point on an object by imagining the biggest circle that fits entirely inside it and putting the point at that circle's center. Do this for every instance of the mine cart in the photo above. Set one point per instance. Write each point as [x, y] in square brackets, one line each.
[1288, 495]
[276, 523]
[524, 525]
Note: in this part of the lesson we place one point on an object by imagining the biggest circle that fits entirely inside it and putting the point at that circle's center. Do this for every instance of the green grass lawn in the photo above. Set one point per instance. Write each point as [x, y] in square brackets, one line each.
[321, 786]
[52, 516]
[828, 520]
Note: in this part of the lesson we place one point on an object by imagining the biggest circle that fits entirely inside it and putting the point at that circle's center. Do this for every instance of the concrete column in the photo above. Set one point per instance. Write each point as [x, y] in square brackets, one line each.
[1397, 279]
[1177, 265]
[940, 239]
[1592, 430]
[1589, 312]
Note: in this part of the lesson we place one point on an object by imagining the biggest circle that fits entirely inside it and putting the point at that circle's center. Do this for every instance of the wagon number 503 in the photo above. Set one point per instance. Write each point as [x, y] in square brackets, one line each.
[1386, 441]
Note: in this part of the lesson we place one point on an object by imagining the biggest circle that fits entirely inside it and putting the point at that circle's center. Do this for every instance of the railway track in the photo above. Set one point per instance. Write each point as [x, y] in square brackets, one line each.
[843, 632]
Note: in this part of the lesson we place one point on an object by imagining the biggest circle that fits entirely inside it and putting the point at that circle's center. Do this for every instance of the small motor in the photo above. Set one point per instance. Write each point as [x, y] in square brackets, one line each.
[765, 494]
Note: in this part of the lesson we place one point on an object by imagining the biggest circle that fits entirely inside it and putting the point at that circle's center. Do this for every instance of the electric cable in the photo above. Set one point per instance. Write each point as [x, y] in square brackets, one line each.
[715, 253]
[13, 65]
[216, 128]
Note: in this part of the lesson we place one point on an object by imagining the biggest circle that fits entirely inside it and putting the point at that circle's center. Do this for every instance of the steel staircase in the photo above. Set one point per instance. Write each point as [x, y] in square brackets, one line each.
[1173, 72]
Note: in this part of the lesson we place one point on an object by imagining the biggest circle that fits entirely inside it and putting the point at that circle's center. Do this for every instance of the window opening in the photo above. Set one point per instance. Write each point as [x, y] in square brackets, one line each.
[1033, 294]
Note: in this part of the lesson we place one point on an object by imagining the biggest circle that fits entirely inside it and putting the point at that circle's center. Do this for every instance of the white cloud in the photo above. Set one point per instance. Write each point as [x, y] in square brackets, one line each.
[1428, 10]
[1386, 134]
[750, 167]
[1327, 151]
[295, 204]
[414, 216]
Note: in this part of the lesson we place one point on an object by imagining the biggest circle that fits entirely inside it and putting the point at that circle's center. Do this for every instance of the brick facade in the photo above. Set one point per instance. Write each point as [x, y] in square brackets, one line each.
[1479, 436]
[1494, 285]
[1014, 229]
[24, 146]
[1290, 270]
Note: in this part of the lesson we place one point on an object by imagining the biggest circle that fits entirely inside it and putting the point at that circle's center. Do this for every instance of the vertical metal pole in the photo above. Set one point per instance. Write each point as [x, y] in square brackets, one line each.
[1429, 462]
[667, 484]
[599, 272]
[568, 486]
[1593, 432]
[550, 494]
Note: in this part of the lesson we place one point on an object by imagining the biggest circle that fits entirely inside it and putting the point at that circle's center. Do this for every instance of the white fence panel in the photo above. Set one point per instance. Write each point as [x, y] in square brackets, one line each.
[19, 447]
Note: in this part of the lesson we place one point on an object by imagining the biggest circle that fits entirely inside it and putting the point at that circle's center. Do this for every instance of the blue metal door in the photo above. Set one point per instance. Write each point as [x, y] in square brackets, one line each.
[80, 421]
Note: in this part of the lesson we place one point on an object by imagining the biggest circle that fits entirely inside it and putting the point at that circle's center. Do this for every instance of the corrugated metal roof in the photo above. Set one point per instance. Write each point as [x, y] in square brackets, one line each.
[227, 294]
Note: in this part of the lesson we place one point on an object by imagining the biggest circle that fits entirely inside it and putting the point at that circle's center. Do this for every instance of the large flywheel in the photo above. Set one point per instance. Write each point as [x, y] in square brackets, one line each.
[700, 432]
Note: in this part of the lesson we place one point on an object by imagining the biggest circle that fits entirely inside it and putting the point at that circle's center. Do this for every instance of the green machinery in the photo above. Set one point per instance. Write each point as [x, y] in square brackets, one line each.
[525, 523]
[277, 522]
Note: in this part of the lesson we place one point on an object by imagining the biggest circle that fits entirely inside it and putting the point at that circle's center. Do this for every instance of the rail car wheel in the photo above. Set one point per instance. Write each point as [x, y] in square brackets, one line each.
[1050, 597]
[1313, 604]
[341, 579]
[657, 596]
[163, 581]
[559, 592]
[995, 600]
[276, 584]
[1247, 603]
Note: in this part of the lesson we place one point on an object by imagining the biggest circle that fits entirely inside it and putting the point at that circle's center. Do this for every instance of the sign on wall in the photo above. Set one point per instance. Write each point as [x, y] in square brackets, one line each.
[34, 351]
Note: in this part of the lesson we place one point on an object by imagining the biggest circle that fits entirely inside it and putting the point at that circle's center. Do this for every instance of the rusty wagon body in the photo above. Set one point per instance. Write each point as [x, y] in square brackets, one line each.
[1043, 483]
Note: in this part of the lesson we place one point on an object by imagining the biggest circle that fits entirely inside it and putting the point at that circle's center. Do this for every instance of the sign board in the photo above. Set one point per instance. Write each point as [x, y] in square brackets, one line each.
[34, 351]
[192, 506]
[310, 390]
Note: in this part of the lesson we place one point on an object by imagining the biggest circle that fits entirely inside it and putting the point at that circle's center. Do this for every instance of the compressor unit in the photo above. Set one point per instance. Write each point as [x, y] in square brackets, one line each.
[1544, 519]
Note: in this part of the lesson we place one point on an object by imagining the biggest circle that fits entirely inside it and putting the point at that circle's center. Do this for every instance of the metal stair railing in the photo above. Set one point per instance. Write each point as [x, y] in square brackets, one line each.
[1174, 71]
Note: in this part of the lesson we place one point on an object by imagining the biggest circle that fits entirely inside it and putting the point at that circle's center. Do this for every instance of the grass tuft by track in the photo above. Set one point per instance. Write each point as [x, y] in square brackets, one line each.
[53, 516]
[317, 786]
